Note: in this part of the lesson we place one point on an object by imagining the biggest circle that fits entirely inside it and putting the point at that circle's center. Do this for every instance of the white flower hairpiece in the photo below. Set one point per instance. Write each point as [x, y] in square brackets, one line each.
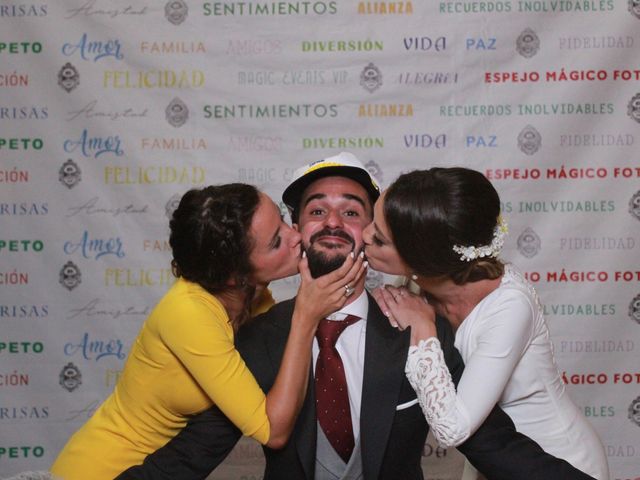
[493, 250]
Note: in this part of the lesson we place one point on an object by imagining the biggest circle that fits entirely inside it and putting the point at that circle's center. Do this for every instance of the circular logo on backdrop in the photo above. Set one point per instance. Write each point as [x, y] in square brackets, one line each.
[70, 377]
[171, 205]
[177, 112]
[371, 78]
[634, 411]
[176, 11]
[529, 140]
[634, 308]
[70, 276]
[529, 243]
[374, 169]
[634, 8]
[527, 43]
[634, 205]
[633, 109]
[68, 77]
[69, 174]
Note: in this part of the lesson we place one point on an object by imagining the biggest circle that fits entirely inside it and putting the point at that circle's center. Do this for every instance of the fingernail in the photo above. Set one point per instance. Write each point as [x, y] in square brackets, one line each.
[387, 314]
[353, 255]
[366, 264]
[362, 254]
[304, 254]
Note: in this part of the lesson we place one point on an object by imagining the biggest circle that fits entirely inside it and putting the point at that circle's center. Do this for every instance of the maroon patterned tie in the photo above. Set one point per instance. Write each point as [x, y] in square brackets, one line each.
[332, 397]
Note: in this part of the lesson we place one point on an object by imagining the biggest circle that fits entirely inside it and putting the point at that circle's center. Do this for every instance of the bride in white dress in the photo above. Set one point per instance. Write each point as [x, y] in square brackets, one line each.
[442, 227]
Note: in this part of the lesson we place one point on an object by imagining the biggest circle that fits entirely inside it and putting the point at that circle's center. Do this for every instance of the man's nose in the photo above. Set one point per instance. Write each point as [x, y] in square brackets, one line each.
[333, 219]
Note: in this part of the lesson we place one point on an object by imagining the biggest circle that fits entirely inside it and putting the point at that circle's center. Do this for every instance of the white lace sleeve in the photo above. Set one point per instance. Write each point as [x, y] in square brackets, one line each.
[429, 376]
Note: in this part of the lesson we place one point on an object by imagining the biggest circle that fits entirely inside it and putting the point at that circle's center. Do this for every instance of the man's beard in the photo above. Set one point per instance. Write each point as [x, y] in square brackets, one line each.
[319, 262]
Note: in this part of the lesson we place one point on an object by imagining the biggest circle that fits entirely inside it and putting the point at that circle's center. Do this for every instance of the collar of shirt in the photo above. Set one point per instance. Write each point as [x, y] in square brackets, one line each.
[358, 307]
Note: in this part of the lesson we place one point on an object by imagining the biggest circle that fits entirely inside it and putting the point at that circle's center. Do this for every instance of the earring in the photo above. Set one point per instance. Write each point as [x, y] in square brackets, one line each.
[414, 276]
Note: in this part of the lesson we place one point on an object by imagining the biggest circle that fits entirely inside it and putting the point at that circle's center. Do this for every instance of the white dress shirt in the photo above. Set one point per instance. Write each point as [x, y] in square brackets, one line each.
[350, 346]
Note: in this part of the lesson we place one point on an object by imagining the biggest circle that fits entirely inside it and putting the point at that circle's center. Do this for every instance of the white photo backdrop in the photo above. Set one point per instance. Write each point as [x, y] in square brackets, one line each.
[110, 110]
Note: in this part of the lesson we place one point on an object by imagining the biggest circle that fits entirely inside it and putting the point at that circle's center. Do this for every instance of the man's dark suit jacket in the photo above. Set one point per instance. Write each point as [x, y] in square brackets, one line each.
[391, 439]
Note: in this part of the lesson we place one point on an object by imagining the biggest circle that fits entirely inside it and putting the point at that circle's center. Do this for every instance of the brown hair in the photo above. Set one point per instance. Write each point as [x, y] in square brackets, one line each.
[210, 238]
[430, 211]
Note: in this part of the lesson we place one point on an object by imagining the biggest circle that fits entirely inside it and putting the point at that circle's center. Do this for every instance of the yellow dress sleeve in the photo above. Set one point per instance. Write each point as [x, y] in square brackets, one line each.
[199, 335]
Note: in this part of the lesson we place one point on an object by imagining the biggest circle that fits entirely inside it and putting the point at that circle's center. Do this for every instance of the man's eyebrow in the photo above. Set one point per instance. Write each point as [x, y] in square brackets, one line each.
[315, 196]
[358, 199]
[348, 196]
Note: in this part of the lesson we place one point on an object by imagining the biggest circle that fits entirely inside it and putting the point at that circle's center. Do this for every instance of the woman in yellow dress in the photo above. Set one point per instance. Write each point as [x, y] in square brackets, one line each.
[228, 243]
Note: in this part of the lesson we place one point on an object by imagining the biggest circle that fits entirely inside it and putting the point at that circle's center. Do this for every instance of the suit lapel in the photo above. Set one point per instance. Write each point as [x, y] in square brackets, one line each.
[385, 357]
[384, 360]
[304, 434]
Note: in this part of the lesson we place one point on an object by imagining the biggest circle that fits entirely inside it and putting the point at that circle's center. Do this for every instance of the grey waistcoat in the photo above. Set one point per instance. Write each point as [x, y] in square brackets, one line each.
[330, 466]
